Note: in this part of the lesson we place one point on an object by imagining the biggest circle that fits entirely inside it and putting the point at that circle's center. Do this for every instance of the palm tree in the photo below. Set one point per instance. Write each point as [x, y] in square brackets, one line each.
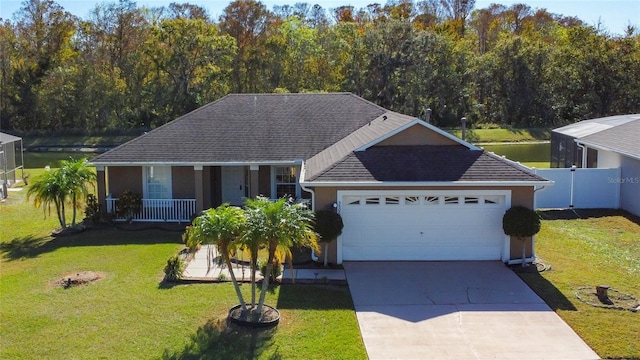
[77, 178]
[49, 189]
[279, 225]
[222, 226]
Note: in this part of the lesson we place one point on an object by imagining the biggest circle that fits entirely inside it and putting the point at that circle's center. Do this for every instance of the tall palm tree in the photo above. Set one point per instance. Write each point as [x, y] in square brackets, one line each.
[49, 189]
[77, 176]
[222, 226]
[280, 225]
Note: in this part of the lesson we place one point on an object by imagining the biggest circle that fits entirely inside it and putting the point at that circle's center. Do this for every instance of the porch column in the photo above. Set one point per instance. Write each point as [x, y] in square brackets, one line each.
[101, 188]
[199, 186]
[254, 181]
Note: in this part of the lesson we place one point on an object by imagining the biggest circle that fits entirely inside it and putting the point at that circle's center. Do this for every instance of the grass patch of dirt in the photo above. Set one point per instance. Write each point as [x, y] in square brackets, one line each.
[78, 279]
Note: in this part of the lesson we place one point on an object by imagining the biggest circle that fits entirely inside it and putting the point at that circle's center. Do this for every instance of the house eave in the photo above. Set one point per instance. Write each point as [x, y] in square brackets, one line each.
[606, 148]
[423, 183]
[206, 163]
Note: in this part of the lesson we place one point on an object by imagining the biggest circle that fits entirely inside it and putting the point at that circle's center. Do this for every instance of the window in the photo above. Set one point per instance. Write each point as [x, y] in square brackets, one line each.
[412, 200]
[352, 200]
[157, 182]
[471, 200]
[392, 200]
[450, 200]
[431, 200]
[371, 200]
[492, 199]
[286, 182]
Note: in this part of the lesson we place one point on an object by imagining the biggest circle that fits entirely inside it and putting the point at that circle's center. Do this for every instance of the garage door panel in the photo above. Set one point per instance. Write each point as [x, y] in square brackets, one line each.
[427, 229]
[421, 253]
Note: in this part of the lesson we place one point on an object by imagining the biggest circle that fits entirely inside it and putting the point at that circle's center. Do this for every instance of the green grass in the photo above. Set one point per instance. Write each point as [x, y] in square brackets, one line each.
[537, 164]
[38, 160]
[76, 140]
[590, 248]
[503, 135]
[131, 313]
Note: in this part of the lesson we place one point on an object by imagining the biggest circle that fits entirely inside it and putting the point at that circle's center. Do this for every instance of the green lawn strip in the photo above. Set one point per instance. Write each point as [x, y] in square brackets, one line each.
[78, 140]
[601, 249]
[503, 135]
[130, 313]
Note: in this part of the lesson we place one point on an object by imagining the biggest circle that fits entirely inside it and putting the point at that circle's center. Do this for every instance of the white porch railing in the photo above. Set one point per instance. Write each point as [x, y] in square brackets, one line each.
[158, 210]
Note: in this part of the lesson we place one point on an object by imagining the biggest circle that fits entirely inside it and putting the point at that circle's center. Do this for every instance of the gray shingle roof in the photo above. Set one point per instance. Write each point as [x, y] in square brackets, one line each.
[587, 127]
[374, 130]
[251, 128]
[624, 139]
[424, 163]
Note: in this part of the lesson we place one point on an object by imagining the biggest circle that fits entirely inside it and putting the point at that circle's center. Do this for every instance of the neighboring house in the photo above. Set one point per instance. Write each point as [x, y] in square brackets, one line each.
[609, 142]
[10, 161]
[406, 190]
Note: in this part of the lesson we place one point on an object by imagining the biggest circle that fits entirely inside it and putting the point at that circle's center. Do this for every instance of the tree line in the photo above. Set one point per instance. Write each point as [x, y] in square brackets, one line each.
[126, 66]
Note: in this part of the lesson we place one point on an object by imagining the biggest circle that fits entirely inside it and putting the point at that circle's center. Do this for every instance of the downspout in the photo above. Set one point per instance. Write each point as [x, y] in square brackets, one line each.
[584, 154]
[535, 189]
[314, 257]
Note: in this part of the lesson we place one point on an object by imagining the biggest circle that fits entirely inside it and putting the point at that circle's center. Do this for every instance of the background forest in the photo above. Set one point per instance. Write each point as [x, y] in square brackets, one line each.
[128, 67]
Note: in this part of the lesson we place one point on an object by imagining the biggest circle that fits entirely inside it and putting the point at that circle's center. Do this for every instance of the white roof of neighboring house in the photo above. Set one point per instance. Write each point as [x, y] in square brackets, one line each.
[592, 126]
[622, 139]
[6, 138]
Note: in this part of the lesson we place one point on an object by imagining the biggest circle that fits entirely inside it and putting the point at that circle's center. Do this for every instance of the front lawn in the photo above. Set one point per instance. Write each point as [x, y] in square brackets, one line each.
[590, 248]
[131, 313]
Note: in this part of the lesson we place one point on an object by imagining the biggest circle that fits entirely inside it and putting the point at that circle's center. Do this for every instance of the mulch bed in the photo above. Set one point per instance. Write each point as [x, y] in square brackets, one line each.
[270, 316]
[618, 300]
[78, 279]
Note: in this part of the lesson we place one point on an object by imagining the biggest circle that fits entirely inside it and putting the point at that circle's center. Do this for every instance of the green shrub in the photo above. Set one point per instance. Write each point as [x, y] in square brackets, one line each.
[520, 222]
[328, 224]
[129, 204]
[174, 268]
[193, 243]
[92, 209]
[275, 271]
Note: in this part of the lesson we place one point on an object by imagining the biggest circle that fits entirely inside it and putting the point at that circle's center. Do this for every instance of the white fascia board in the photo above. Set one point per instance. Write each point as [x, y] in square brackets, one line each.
[423, 123]
[605, 148]
[423, 183]
[168, 163]
[303, 172]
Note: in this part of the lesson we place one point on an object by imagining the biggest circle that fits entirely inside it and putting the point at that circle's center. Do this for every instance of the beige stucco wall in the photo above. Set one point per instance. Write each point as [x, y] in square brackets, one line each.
[183, 182]
[264, 181]
[326, 196]
[123, 178]
[417, 135]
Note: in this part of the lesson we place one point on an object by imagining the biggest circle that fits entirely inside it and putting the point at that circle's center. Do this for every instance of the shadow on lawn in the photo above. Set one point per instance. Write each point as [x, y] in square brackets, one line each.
[221, 340]
[33, 246]
[547, 291]
[317, 297]
[573, 214]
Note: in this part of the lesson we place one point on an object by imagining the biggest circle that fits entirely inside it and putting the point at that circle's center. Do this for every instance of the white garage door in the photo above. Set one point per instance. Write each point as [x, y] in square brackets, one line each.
[427, 225]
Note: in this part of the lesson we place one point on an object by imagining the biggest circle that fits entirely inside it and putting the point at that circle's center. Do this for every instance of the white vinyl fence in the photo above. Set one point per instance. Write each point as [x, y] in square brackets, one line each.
[579, 188]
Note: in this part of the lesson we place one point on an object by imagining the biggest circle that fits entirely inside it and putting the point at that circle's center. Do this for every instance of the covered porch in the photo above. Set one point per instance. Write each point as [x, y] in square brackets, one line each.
[178, 192]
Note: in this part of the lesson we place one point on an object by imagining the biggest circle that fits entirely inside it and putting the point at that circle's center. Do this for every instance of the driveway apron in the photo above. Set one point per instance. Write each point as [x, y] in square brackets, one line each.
[455, 310]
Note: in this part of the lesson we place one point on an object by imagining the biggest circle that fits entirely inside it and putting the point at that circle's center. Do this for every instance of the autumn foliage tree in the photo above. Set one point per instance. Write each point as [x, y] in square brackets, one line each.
[127, 67]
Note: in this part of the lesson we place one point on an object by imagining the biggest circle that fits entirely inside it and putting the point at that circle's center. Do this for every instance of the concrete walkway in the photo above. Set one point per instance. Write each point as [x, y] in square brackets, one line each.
[207, 266]
[455, 310]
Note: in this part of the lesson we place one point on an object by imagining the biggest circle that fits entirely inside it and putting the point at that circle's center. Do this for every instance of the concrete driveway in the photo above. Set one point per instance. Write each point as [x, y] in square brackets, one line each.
[455, 310]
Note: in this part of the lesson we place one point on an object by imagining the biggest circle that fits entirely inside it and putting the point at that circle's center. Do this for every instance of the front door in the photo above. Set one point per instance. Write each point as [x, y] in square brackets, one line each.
[233, 184]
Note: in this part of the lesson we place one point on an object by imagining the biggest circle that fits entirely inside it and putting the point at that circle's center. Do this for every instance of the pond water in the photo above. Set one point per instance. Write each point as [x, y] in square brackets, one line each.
[38, 160]
[524, 153]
